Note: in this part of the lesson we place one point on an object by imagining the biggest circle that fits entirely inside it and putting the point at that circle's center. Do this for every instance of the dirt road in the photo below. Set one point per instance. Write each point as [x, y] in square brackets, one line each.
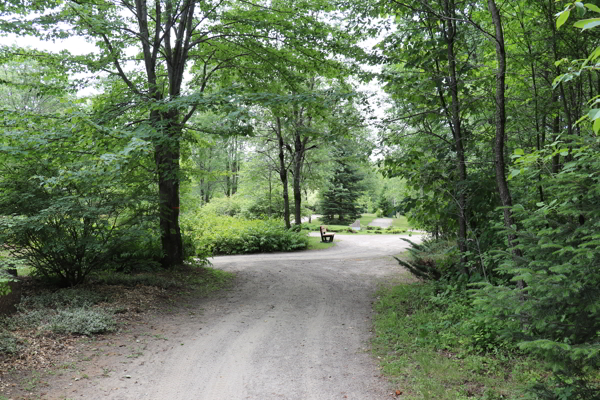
[296, 326]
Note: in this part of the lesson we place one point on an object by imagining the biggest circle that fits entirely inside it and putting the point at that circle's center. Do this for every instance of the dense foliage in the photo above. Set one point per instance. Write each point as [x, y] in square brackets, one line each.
[489, 127]
[220, 234]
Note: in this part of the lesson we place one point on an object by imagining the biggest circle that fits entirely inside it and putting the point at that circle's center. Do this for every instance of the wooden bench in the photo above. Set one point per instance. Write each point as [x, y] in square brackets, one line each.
[326, 237]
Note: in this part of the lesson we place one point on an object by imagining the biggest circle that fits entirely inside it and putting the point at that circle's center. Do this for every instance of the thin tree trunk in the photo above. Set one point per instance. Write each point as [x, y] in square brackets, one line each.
[283, 174]
[299, 150]
[450, 35]
[235, 167]
[502, 184]
[270, 210]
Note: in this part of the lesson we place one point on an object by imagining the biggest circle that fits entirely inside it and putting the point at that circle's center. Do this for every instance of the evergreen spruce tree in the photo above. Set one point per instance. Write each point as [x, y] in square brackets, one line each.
[341, 195]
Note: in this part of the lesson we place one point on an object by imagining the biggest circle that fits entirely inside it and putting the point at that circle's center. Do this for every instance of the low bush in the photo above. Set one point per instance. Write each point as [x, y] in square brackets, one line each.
[8, 343]
[82, 321]
[78, 320]
[28, 318]
[225, 206]
[313, 227]
[215, 235]
[431, 260]
[73, 298]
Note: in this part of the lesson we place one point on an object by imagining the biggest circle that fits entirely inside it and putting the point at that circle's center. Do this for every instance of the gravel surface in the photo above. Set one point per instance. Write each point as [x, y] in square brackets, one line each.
[382, 222]
[295, 326]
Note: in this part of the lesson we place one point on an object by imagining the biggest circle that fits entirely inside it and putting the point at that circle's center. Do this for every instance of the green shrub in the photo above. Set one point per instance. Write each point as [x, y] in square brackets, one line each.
[82, 321]
[229, 235]
[68, 213]
[550, 288]
[73, 297]
[314, 227]
[431, 260]
[224, 206]
[8, 343]
[29, 318]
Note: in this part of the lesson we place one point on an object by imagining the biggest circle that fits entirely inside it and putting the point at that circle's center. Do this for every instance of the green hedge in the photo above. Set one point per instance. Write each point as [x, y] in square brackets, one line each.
[219, 235]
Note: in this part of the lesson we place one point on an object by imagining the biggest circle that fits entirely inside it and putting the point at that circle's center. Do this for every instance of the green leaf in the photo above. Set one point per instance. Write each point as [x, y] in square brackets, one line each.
[519, 152]
[594, 114]
[595, 54]
[580, 9]
[596, 126]
[562, 18]
[587, 23]
[557, 81]
[592, 7]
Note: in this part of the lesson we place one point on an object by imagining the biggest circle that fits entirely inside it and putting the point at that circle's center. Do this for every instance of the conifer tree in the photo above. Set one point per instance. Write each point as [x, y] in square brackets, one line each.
[345, 187]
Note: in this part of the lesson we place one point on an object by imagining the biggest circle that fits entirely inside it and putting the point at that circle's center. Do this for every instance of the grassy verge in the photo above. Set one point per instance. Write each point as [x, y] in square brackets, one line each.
[401, 223]
[314, 243]
[426, 361]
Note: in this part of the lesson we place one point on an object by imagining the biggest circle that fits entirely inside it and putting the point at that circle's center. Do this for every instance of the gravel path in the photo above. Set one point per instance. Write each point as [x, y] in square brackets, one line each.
[296, 326]
[381, 222]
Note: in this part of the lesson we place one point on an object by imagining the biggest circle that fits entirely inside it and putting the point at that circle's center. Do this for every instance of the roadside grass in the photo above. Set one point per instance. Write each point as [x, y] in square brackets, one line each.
[314, 243]
[401, 223]
[416, 356]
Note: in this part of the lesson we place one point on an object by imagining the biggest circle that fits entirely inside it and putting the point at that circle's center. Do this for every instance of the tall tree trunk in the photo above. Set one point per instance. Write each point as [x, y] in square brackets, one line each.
[270, 210]
[283, 174]
[167, 147]
[450, 30]
[297, 194]
[235, 155]
[227, 188]
[167, 154]
[557, 120]
[299, 150]
[501, 183]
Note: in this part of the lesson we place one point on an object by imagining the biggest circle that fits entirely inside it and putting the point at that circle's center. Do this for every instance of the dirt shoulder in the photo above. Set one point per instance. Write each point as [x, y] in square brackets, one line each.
[294, 326]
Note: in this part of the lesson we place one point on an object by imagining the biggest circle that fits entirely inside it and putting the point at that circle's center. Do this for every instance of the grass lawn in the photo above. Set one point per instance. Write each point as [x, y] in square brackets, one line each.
[401, 223]
[314, 243]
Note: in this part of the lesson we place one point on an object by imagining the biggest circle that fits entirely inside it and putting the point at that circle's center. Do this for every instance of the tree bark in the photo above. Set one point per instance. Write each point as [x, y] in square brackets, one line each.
[299, 154]
[283, 173]
[501, 182]
[450, 30]
[167, 165]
